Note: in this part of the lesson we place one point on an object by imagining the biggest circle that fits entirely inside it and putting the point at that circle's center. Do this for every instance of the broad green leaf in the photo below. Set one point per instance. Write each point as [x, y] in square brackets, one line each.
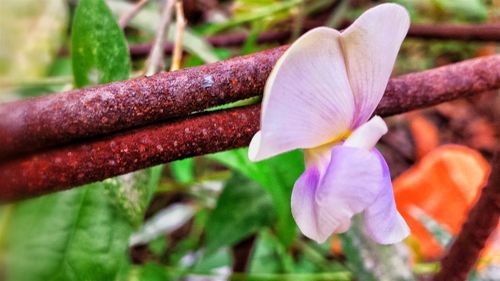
[152, 272]
[98, 47]
[182, 170]
[132, 192]
[269, 256]
[371, 261]
[31, 33]
[72, 235]
[242, 209]
[277, 176]
[148, 20]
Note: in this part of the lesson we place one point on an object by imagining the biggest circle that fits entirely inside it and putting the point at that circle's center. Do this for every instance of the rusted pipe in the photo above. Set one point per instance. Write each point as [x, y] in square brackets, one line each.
[465, 32]
[62, 168]
[481, 221]
[38, 123]
[78, 164]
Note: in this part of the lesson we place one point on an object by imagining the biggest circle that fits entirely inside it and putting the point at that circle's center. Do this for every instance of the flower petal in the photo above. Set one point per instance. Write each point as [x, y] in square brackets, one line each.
[307, 99]
[370, 47]
[367, 135]
[383, 222]
[324, 202]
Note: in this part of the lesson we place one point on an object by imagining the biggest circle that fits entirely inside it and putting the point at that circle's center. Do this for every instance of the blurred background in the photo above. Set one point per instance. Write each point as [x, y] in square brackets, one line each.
[221, 217]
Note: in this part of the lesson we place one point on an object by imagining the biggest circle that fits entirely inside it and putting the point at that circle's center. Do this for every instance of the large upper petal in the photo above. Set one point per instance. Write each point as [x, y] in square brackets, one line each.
[307, 99]
[370, 46]
[383, 223]
[323, 202]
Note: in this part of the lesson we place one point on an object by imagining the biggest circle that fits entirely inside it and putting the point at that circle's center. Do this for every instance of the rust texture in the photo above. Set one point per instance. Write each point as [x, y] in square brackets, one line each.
[36, 123]
[477, 32]
[481, 221]
[93, 160]
[441, 84]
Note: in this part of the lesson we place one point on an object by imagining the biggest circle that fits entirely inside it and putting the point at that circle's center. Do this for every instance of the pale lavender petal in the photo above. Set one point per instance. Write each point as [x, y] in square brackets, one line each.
[349, 184]
[383, 222]
[307, 99]
[370, 47]
[368, 134]
[303, 204]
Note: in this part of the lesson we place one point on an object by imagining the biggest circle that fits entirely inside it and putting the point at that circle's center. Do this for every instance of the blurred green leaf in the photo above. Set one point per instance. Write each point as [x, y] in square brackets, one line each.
[242, 209]
[149, 20]
[182, 170]
[371, 261]
[152, 272]
[72, 235]
[132, 192]
[467, 10]
[277, 176]
[269, 256]
[98, 47]
[31, 33]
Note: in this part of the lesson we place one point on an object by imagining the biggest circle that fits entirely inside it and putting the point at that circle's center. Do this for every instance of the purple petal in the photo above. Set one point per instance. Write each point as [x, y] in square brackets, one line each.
[383, 222]
[370, 47]
[307, 98]
[324, 202]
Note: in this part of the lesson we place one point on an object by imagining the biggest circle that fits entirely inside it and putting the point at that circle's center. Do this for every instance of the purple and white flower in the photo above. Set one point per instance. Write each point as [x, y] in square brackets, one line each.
[319, 98]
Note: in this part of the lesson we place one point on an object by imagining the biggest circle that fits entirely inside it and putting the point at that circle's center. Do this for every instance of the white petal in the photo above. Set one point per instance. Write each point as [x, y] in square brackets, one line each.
[383, 222]
[370, 48]
[368, 134]
[323, 203]
[307, 99]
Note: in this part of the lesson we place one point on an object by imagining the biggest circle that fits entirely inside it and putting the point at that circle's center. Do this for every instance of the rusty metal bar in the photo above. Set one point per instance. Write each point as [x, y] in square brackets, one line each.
[464, 32]
[52, 120]
[63, 168]
[481, 221]
[49, 121]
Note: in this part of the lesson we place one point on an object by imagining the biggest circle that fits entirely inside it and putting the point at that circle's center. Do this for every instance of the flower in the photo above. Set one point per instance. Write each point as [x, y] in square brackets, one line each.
[319, 97]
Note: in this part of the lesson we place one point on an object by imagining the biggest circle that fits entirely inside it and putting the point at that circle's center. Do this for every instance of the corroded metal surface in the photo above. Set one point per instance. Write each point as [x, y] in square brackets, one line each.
[441, 84]
[93, 160]
[125, 152]
[52, 120]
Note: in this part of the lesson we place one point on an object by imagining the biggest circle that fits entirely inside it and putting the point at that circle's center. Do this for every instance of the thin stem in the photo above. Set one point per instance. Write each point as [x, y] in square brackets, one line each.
[125, 19]
[180, 26]
[154, 63]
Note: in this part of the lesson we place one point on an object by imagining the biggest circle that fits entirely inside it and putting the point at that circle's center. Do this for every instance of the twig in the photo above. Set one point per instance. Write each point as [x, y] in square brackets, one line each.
[74, 165]
[125, 19]
[473, 32]
[481, 221]
[154, 63]
[180, 25]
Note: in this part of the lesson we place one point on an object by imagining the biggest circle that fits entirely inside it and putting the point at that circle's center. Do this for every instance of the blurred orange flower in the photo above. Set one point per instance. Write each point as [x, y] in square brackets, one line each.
[444, 184]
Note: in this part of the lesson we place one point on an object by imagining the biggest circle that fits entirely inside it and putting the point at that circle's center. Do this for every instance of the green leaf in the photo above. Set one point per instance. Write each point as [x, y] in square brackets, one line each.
[152, 272]
[98, 47]
[149, 20]
[242, 209]
[72, 235]
[277, 176]
[132, 192]
[182, 170]
[269, 256]
[31, 34]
